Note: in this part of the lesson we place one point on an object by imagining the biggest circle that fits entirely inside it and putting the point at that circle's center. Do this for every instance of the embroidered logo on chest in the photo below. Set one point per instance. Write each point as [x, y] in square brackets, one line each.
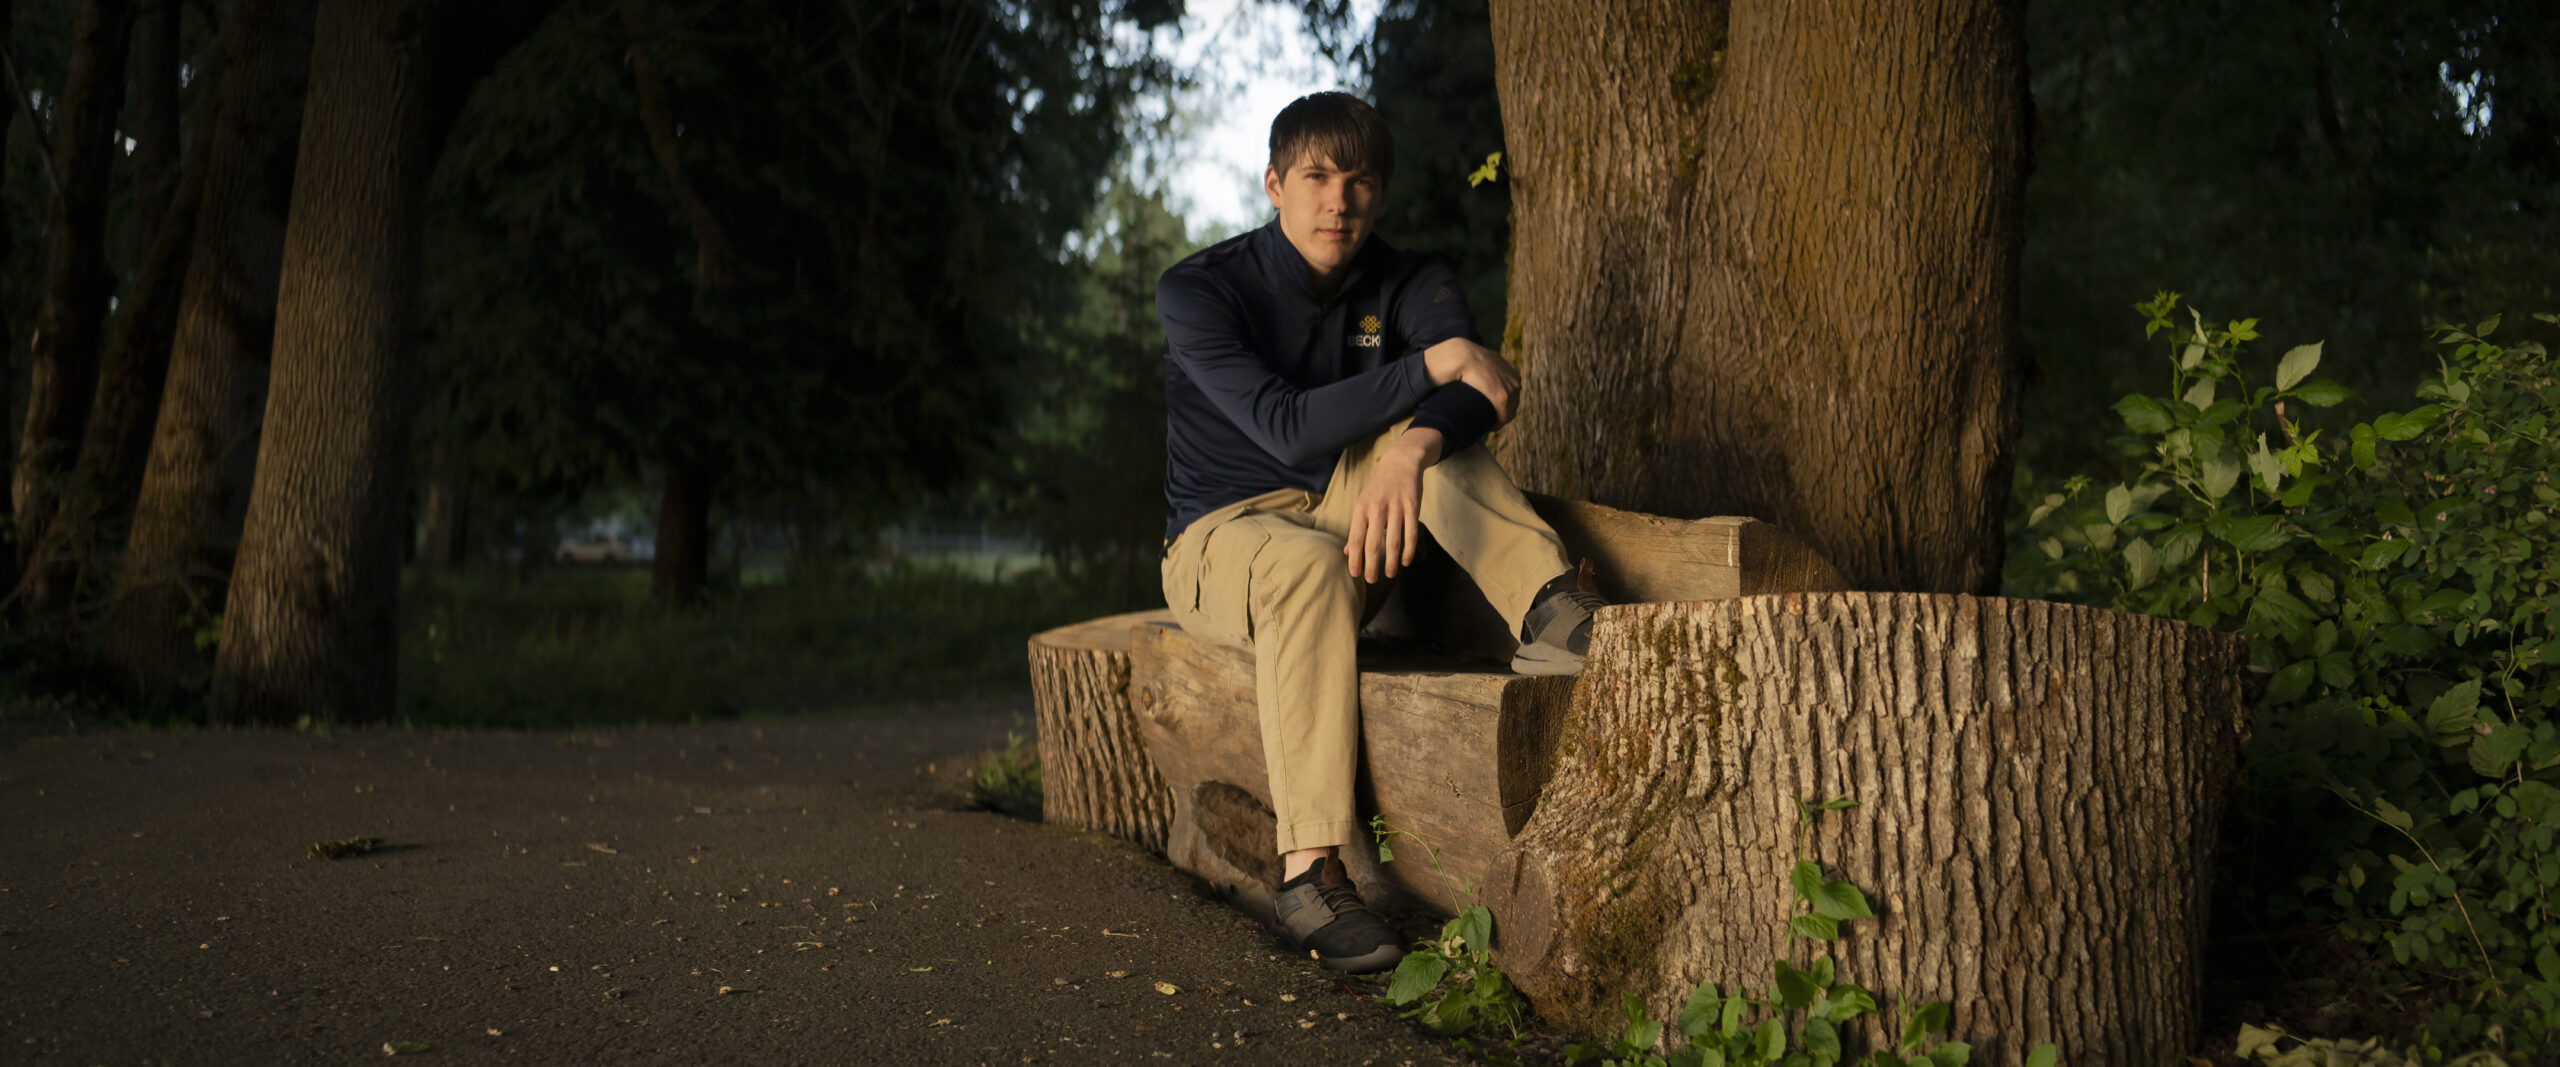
[1368, 335]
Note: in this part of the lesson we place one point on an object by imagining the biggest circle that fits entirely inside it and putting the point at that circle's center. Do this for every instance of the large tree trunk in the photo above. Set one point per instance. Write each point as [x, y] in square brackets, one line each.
[681, 568]
[1765, 263]
[63, 356]
[167, 195]
[2038, 790]
[311, 624]
[90, 515]
[195, 485]
[8, 382]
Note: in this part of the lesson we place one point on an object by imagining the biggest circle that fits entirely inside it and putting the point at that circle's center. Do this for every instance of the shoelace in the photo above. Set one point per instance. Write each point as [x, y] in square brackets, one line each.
[1588, 602]
[1339, 897]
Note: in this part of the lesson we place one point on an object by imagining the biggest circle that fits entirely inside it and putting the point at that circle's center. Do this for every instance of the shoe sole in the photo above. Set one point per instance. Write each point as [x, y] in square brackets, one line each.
[1545, 661]
[1384, 958]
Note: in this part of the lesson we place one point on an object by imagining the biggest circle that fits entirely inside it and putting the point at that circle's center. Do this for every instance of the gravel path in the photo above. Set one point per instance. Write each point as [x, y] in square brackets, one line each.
[773, 893]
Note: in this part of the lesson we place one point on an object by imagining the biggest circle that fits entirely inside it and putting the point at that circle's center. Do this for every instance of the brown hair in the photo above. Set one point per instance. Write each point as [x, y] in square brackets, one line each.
[1338, 126]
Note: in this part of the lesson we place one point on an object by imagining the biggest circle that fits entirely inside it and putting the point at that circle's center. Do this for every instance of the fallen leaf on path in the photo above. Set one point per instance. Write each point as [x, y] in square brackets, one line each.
[1109, 932]
[727, 990]
[405, 1048]
[918, 970]
[1118, 974]
[602, 847]
[804, 946]
[1168, 988]
[942, 1022]
[345, 846]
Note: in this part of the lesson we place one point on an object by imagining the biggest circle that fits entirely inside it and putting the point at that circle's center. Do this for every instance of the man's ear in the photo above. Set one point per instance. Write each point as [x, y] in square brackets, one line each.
[1271, 186]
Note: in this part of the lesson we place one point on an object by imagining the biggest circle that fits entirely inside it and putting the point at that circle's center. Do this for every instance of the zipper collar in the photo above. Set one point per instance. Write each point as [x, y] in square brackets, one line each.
[1281, 260]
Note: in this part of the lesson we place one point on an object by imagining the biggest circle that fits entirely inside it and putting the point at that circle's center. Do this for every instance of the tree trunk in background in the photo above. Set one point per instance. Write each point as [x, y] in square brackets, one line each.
[195, 485]
[63, 356]
[310, 627]
[167, 196]
[448, 518]
[8, 381]
[90, 516]
[1765, 262]
[683, 564]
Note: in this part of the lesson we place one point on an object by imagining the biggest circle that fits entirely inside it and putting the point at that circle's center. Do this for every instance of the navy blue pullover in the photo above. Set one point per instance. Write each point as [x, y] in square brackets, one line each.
[1264, 384]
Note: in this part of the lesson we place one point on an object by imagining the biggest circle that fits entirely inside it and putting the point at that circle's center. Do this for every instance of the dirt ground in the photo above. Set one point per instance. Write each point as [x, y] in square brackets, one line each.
[773, 893]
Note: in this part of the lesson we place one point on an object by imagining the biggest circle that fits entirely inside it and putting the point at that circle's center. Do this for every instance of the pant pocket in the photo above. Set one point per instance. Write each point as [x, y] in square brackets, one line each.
[1223, 594]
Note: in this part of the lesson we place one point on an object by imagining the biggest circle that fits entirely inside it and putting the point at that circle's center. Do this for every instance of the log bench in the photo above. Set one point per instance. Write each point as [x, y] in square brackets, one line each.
[2038, 784]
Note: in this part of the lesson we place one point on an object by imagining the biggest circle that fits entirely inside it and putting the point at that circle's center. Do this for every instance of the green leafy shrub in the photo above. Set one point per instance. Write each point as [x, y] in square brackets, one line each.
[2270, 1045]
[2395, 583]
[1449, 983]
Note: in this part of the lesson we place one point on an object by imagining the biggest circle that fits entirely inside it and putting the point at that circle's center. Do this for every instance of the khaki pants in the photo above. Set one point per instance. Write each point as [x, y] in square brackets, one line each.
[1268, 573]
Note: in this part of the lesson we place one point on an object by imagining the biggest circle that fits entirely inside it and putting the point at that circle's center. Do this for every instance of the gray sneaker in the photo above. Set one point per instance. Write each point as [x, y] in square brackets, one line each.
[1330, 922]
[1557, 632]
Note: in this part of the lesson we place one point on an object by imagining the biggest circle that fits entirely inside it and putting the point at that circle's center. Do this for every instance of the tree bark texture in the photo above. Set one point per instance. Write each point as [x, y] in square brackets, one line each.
[1764, 263]
[2038, 790]
[8, 382]
[310, 628]
[71, 313]
[1458, 758]
[168, 192]
[90, 514]
[1094, 769]
[682, 568]
[195, 483]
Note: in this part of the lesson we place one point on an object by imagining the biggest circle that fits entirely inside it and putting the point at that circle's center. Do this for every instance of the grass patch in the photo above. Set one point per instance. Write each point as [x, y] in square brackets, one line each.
[1009, 782]
[582, 646]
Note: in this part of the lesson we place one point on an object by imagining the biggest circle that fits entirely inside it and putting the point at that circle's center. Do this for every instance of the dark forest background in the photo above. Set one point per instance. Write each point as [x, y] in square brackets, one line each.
[780, 295]
[767, 357]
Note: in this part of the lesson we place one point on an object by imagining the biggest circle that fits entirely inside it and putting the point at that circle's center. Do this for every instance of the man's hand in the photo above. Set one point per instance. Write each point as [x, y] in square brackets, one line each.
[1386, 521]
[1460, 360]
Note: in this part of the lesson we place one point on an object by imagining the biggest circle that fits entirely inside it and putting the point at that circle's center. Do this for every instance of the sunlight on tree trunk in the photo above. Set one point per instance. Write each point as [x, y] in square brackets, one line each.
[311, 625]
[195, 485]
[1765, 263]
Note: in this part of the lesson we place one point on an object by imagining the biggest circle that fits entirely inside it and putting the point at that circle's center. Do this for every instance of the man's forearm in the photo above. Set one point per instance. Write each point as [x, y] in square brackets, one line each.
[1418, 445]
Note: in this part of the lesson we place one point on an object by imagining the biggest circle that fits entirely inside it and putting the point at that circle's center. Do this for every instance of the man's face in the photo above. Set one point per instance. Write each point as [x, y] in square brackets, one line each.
[1325, 211]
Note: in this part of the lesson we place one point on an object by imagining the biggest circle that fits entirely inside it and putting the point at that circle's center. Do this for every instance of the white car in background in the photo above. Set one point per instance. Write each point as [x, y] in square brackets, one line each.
[594, 550]
[609, 540]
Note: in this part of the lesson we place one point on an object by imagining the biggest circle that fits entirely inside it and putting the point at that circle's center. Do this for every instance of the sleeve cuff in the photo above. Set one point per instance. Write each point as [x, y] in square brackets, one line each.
[1462, 415]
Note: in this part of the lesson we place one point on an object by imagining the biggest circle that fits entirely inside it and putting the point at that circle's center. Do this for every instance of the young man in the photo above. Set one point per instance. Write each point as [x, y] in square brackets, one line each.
[1323, 392]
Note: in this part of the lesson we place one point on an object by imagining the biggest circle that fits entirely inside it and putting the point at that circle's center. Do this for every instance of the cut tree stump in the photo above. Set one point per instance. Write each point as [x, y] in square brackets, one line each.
[2038, 790]
[2038, 786]
[1094, 770]
[1457, 758]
